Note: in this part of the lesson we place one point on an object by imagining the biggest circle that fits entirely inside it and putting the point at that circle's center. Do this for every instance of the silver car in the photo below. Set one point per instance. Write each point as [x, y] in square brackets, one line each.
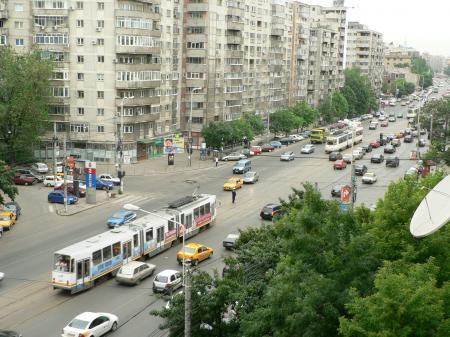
[308, 148]
[134, 272]
[167, 281]
[287, 156]
[250, 177]
[234, 156]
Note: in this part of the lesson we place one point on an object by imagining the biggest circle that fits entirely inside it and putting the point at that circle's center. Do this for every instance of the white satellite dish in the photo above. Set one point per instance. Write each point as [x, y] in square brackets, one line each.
[433, 212]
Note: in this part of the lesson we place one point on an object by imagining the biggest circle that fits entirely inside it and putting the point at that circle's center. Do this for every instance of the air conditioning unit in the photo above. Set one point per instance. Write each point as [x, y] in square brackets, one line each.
[98, 29]
[94, 43]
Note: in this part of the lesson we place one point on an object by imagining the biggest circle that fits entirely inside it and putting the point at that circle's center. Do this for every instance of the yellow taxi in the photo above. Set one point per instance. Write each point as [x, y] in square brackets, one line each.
[7, 219]
[233, 183]
[194, 253]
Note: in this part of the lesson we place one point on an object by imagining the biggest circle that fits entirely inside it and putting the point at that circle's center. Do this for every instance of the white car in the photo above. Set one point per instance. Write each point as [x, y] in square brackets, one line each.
[134, 272]
[40, 167]
[296, 138]
[109, 177]
[251, 177]
[358, 154]
[369, 178]
[52, 181]
[90, 324]
[287, 156]
[308, 148]
[2, 276]
[167, 281]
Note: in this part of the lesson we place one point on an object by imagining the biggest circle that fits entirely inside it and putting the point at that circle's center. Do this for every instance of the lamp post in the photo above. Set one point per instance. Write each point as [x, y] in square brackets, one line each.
[119, 171]
[187, 284]
[190, 125]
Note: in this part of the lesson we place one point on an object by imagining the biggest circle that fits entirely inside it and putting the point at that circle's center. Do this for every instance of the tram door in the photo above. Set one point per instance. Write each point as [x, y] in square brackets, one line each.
[126, 251]
[83, 273]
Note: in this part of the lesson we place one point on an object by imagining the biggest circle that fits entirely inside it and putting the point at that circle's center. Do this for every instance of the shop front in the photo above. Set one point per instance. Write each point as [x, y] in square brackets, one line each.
[150, 148]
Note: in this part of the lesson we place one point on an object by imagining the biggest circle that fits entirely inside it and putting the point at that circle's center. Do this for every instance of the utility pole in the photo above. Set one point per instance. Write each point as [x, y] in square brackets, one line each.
[187, 303]
[120, 172]
[190, 126]
[352, 174]
[65, 171]
[431, 128]
[55, 143]
[268, 125]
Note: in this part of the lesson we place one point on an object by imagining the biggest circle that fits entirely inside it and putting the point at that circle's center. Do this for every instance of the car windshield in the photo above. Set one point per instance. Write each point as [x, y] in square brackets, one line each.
[4, 218]
[370, 174]
[249, 175]
[189, 250]
[161, 278]
[118, 215]
[126, 271]
[267, 209]
[78, 324]
[11, 207]
[286, 154]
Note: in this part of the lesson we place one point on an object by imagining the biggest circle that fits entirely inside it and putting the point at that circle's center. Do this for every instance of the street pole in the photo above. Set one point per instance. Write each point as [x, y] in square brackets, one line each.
[418, 123]
[187, 304]
[352, 174]
[55, 142]
[190, 126]
[65, 175]
[120, 172]
[431, 128]
[268, 125]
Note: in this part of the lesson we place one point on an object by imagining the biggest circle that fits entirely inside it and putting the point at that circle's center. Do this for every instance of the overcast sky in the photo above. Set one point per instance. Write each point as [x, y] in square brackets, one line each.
[423, 25]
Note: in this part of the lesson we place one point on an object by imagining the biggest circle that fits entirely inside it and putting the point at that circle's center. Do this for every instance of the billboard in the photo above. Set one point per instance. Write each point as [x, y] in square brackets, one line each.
[91, 173]
[174, 144]
[346, 192]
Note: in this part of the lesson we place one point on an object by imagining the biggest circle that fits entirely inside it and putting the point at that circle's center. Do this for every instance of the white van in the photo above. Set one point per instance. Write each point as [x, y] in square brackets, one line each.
[373, 125]
[40, 167]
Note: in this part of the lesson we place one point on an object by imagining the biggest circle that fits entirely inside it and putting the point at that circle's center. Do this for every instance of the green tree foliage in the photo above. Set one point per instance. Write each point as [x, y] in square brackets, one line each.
[407, 302]
[255, 122]
[420, 67]
[217, 134]
[7, 186]
[283, 121]
[403, 87]
[307, 114]
[24, 91]
[334, 107]
[447, 70]
[358, 93]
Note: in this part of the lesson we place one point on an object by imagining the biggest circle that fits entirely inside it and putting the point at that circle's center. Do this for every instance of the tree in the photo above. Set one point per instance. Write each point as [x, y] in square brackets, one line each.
[307, 114]
[407, 302]
[447, 70]
[24, 92]
[334, 107]
[7, 186]
[420, 67]
[404, 88]
[255, 122]
[358, 93]
[283, 121]
[217, 134]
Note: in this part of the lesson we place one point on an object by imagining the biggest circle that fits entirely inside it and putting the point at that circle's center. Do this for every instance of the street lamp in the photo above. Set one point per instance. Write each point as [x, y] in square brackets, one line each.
[187, 294]
[190, 125]
[120, 172]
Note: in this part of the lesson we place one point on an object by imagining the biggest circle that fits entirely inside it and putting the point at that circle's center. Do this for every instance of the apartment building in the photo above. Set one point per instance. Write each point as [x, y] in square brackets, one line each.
[397, 63]
[155, 66]
[365, 51]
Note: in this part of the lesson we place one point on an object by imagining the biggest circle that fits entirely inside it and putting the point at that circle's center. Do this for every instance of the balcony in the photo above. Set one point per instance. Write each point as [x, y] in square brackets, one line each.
[234, 53]
[198, 7]
[4, 31]
[234, 39]
[233, 25]
[137, 50]
[137, 84]
[4, 14]
[277, 32]
[140, 101]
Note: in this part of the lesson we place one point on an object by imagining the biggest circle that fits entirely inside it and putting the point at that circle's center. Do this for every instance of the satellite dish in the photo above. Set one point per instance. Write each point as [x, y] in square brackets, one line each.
[433, 212]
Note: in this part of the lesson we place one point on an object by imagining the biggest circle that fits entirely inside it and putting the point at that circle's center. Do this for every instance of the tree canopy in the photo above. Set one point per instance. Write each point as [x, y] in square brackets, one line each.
[283, 121]
[7, 186]
[358, 93]
[447, 70]
[24, 92]
[334, 108]
[420, 67]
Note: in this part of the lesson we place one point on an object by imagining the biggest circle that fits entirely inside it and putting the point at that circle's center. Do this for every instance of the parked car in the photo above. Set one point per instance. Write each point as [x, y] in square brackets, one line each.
[392, 161]
[339, 165]
[234, 156]
[276, 144]
[13, 206]
[308, 148]
[270, 211]
[71, 188]
[287, 156]
[411, 172]
[40, 167]
[91, 324]
[134, 272]
[399, 115]
[296, 138]
[267, 148]
[25, 179]
[369, 178]
[7, 219]
[52, 181]
[233, 183]
[194, 253]
[57, 197]
[375, 144]
[167, 281]
[247, 153]
[423, 132]
[109, 177]
[360, 169]
[256, 150]
[121, 217]
[103, 185]
[286, 141]
[389, 149]
[377, 158]
[8, 333]
[396, 142]
[39, 177]
[336, 191]
[250, 177]
[335, 156]
[408, 139]
[230, 241]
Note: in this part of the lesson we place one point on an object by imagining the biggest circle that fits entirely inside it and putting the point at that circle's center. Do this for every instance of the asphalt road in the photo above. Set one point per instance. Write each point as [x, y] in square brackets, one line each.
[31, 306]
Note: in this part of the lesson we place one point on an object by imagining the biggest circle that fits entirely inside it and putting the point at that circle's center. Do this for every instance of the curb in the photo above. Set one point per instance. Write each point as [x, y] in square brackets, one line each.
[60, 210]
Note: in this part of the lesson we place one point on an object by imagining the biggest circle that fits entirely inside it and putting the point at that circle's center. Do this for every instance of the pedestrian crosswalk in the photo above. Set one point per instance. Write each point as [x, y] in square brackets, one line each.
[134, 199]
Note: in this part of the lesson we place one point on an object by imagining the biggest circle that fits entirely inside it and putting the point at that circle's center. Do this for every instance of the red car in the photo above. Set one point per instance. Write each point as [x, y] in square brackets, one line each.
[339, 164]
[375, 144]
[256, 150]
[25, 179]
[267, 148]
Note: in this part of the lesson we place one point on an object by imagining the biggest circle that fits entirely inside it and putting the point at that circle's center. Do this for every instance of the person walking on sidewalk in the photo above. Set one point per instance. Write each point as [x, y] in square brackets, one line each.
[216, 160]
[233, 195]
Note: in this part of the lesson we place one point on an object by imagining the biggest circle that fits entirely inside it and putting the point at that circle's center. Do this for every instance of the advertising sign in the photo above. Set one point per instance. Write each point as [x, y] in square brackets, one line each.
[346, 192]
[174, 144]
[91, 174]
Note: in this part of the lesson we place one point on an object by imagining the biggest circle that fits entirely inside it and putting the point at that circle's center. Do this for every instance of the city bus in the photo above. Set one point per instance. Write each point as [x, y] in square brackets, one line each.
[78, 266]
[319, 135]
[344, 140]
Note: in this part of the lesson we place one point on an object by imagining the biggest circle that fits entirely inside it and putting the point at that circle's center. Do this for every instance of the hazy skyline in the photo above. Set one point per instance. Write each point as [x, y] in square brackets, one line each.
[423, 25]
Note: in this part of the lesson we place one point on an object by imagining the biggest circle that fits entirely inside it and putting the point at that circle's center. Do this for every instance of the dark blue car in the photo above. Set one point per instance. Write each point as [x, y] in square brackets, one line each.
[58, 197]
[120, 217]
[104, 185]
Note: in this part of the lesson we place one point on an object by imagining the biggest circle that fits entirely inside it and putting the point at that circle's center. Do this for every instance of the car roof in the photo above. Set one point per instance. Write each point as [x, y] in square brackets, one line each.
[194, 245]
[87, 316]
[5, 212]
[132, 265]
[271, 205]
[233, 236]
[167, 272]
[123, 212]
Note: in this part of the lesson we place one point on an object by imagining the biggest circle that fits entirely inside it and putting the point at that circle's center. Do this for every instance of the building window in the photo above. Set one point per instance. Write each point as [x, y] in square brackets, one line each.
[60, 75]
[79, 127]
[196, 45]
[55, 38]
[17, 24]
[81, 111]
[80, 41]
[128, 128]
[100, 6]
[80, 23]
[100, 77]
[101, 42]
[80, 93]
[80, 59]
[20, 42]
[79, 4]
[18, 7]
[197, 120]
[101, 59]
[100, 128]
[100, 24]
[100, 112]
[60, 91]
[57, 109]
[100, 94]
[80, 76]
[2, 40]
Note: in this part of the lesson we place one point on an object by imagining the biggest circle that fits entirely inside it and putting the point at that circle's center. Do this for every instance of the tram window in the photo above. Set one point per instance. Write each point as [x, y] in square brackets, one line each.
[170, 225]
[116, 249]
[189, 221]
[182, 219]
[149, 235]
[97, 257]
[160, 234]
[202, 210]
[79, 269]
[207, 208]
[135, 240]
[196, 212]
[106, 253]
[72, 263]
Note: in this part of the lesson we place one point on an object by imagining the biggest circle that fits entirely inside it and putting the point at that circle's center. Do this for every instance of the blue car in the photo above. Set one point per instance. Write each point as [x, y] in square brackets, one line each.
[58, 197]
[121, 217]
[104, 185]
[276, 144]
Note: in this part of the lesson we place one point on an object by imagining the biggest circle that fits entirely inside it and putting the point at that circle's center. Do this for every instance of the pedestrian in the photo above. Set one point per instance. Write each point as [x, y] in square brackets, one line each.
[233, 195]
[216, 159]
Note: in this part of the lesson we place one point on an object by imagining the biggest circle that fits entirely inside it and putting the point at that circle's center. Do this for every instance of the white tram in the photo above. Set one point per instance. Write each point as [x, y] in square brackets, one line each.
[344, 140]
[78, 266]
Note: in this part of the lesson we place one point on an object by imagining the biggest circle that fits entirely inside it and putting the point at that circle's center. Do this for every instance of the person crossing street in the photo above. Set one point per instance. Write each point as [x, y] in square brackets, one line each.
[233, 195]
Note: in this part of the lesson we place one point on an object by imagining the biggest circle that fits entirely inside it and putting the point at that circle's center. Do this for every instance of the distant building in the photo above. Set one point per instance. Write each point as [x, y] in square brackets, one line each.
[397, 64]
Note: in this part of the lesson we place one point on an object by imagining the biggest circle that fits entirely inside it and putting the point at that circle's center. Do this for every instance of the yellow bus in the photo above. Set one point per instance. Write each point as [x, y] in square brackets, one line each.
[319, 135]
